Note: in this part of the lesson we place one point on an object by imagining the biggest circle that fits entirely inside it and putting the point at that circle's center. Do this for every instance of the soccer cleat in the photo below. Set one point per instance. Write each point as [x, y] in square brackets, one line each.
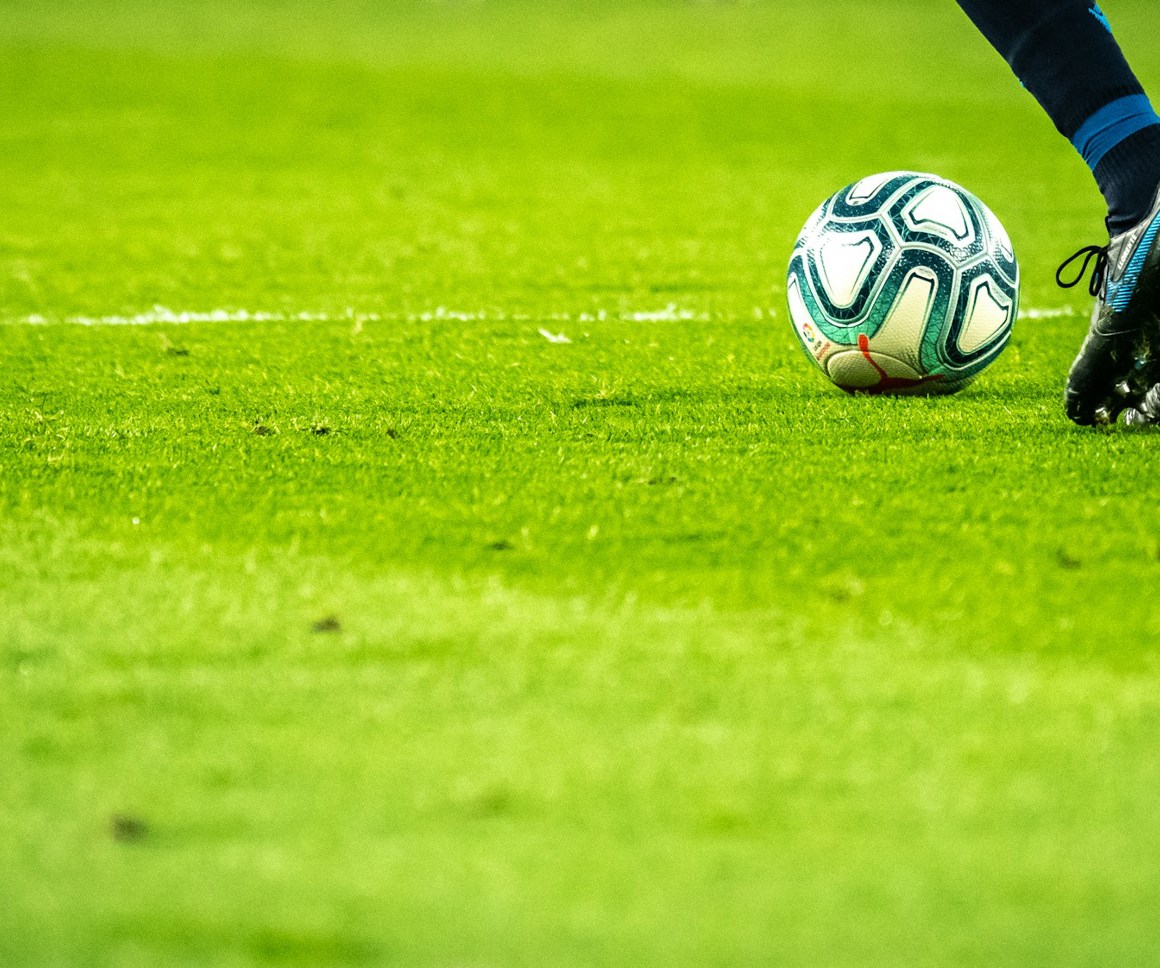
[1115, 366]
[1146, 412]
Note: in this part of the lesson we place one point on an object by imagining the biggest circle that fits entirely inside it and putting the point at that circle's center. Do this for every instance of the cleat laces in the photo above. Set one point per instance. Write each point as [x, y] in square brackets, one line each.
[1097, 284]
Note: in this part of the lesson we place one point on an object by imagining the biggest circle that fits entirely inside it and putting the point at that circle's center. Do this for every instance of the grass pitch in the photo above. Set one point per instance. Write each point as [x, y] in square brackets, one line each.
[355, 617]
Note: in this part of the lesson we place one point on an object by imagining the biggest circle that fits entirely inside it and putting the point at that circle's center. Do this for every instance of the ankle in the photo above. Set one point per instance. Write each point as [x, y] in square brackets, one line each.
[1129, 177]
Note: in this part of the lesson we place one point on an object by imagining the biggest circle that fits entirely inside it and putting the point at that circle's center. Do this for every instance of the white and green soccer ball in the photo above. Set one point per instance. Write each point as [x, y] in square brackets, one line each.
[903, 283]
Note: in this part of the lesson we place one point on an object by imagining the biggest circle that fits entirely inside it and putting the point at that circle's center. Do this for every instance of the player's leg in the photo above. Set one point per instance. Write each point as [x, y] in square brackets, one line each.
[1064, 53]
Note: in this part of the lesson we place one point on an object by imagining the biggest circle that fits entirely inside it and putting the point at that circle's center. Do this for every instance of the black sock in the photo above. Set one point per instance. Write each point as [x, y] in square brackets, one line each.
[1064, 53]
[1129, 175]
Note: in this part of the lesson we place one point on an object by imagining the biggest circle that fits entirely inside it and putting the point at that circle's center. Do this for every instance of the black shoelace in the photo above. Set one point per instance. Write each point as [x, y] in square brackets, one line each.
[1099, 276]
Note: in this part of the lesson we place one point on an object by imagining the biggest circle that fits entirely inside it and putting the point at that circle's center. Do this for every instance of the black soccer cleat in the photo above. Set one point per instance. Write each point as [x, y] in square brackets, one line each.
[1116, 364]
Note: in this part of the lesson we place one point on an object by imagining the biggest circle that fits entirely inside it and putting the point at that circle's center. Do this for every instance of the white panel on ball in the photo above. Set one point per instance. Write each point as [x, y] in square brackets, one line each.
[845, 261]
[985, 318]
[863, 370]
[901, 334]
[866, 189]
[940, 210]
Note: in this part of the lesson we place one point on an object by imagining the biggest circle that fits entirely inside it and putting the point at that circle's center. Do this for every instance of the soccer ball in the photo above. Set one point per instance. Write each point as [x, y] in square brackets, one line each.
[903, 283]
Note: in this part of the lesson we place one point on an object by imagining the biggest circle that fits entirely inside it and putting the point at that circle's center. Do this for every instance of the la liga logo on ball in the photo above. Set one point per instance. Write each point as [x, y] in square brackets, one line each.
[903, 283]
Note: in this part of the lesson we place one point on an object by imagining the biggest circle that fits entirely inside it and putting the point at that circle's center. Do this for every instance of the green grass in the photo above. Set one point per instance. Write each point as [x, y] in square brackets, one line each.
[400, 635]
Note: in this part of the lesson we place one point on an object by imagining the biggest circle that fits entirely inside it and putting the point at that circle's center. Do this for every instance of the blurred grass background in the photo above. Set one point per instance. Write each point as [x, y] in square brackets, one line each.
[510, 155]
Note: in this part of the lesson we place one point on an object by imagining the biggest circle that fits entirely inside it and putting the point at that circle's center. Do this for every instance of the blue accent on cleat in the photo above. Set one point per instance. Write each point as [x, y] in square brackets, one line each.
[1120, 292]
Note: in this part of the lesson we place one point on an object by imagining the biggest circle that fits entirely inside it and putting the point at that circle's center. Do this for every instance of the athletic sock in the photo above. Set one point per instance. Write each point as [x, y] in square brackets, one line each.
[1128, 175]
[1064, 53]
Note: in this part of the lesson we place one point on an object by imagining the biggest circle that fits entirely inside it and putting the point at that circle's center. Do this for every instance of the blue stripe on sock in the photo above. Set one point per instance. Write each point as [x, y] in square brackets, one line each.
[1111, 124]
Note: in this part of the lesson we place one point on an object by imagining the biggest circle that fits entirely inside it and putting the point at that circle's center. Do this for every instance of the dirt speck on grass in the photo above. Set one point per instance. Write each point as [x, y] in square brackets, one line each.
[127, 828]
[490, 802]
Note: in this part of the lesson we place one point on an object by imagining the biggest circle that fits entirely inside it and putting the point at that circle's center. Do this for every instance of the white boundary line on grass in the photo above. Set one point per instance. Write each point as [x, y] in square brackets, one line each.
[164, 315]
[161, 315]
[1057, 312]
